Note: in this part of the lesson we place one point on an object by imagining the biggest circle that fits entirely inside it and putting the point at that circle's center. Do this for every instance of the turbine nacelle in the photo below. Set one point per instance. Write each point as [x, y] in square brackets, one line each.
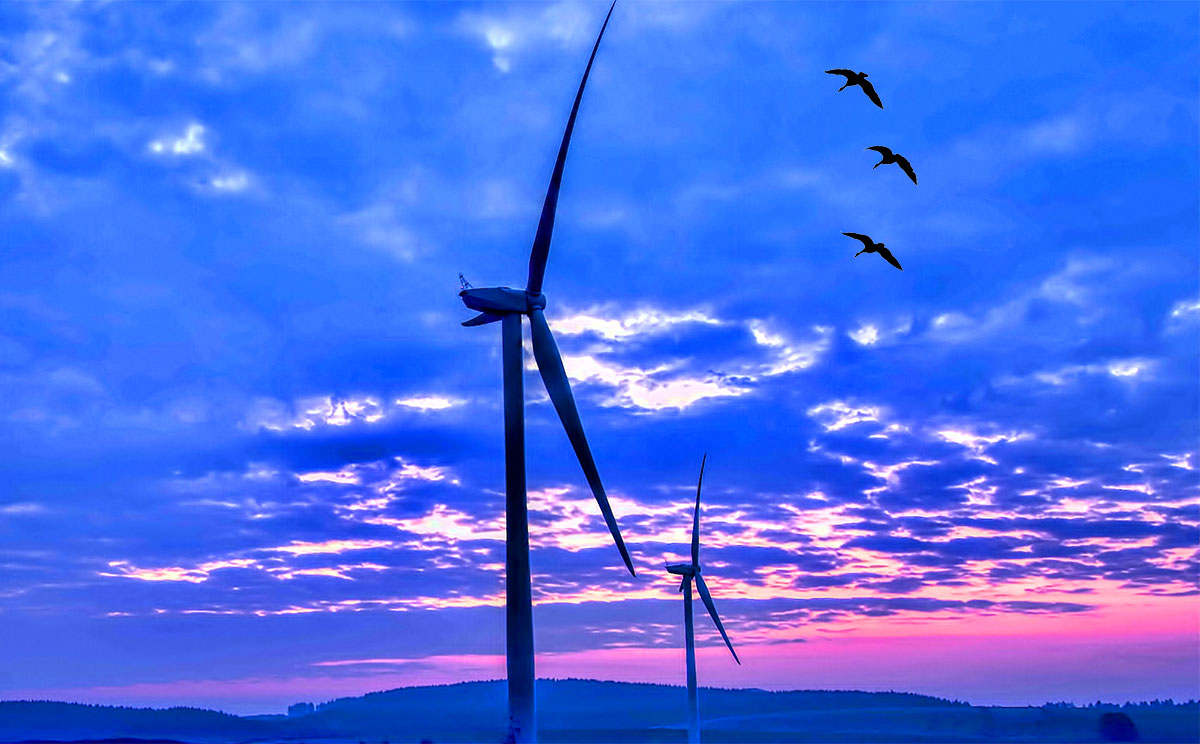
[495, 302]
[683, 569]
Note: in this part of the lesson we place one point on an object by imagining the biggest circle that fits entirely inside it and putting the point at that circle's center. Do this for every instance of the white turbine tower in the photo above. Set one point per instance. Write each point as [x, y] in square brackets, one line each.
[509, 305]
[691, 572]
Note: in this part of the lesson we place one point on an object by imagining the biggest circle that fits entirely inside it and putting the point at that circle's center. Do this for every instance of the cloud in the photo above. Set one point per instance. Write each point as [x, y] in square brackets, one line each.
[429, 402]
[328, 546]
[642, 322]
[566, 23]
[639, 388]
[190, 142]
[837, 414]
[233, 182]
[308, 413]
[879, 333]
[681, 382]
[195, 575]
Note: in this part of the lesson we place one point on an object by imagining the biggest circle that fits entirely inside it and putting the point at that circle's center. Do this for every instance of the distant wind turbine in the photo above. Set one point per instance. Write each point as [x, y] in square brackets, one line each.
[691, 572]
[508, 305]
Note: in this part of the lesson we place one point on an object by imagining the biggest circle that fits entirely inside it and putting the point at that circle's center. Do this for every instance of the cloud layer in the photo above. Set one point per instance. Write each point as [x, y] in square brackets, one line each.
[239, 411]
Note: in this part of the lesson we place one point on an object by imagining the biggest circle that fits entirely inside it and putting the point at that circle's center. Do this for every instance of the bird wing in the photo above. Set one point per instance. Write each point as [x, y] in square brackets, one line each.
[890, 258]
[884, 151]
[870, 91]
[848, 73]
[865, 240]
[906, 167]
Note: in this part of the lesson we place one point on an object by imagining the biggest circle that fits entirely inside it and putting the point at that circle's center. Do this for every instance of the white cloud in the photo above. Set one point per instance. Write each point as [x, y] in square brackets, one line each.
[567, 23]
[1127, 368]
[308, 413]
[887, 473]
[345, 477]
[297, 547]
[190, 142]
[838, 414]
[790, 355]
[1143, 488]
[1183, 461]
[979, 443]
[639, 388]
[220, 177]
[1133, 369]
[445, 523]
[865, 335]
[1074, 284]
[641, 322]
[669, 385]
[1185, 308]
[195, 575]
[425, 403]
[1183, 315]
[877, 332]
[233, 182]
[22, 507]
[326, 410]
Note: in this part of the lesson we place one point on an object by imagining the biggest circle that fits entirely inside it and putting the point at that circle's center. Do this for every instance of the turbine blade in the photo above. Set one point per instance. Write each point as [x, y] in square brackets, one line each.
[549, 363]
[483, 319]
[682, 584]
[712, 610]
[696, 516]
[541, 240]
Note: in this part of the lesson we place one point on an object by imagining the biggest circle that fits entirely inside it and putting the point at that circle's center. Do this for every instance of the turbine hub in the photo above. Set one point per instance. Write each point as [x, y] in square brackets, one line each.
[535, 301]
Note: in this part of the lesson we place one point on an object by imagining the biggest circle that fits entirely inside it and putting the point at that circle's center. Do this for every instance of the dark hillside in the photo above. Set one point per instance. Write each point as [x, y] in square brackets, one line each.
[591, 711]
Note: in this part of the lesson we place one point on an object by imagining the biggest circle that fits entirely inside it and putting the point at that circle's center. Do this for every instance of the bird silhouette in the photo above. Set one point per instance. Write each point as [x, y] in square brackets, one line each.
[859, 79]
[890, 157]
[870, 246]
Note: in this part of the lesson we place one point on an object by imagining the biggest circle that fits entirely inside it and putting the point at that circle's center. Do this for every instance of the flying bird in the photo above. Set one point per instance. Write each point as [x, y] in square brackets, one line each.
[890, 157]
[509, 306]
[689, 573]
[871, 246]
[859, 79]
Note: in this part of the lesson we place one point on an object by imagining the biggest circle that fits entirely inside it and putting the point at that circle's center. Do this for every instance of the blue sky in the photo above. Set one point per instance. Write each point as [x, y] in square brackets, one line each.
[250, 457]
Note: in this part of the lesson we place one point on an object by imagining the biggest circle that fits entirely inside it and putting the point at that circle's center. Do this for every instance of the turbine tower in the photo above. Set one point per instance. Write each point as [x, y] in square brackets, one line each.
[508, 305]
[691, 572]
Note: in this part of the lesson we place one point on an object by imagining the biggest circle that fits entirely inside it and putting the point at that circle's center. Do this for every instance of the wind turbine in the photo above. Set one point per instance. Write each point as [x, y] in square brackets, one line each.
[507, 305]
[691, 572]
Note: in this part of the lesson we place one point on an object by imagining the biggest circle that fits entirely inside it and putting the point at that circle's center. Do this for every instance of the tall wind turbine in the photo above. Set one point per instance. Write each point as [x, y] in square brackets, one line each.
[507, 305]
[691, 572]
